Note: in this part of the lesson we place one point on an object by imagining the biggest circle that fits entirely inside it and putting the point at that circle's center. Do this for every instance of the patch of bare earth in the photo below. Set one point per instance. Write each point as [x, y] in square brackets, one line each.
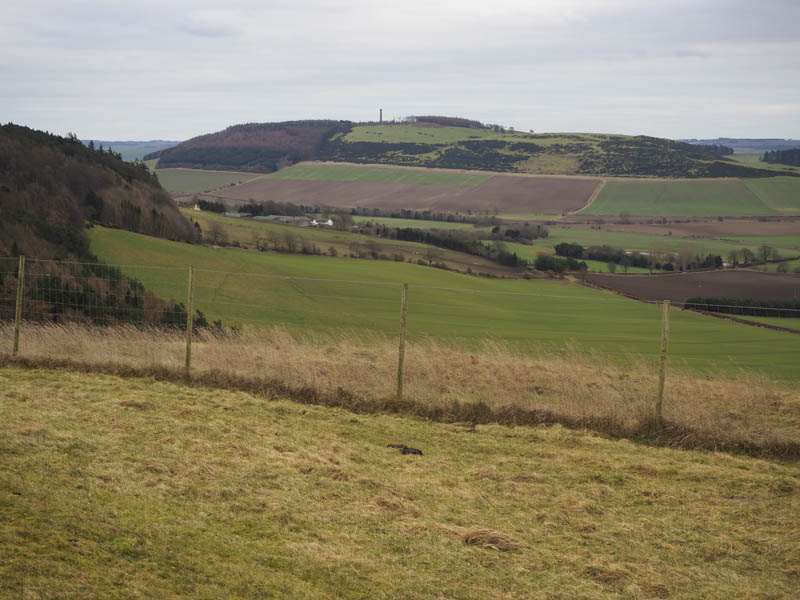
[739, 283]
[502, 193]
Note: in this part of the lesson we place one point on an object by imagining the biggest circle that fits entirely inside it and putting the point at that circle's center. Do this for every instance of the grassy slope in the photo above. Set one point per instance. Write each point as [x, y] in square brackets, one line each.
[673, 198]
[366, 297]
[754, 160]
[420, 223]
[779, 321]
[780, 193]
[317, 172]
[132, 488]
[194, 181]
[531, 252]
[242, 230]
[638, 241]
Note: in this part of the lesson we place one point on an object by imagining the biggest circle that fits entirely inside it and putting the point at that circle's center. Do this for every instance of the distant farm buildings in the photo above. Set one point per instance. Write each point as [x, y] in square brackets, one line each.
[283, 219]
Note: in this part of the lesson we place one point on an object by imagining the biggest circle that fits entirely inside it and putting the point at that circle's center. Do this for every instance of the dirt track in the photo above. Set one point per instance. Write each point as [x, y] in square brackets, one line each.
[738, 283]
[500, 194]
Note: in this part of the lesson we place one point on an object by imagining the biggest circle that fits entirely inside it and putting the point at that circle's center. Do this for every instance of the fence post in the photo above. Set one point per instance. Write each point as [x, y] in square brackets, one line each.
[189, 319]
[663, 369]
[18, 314]
[402, 352]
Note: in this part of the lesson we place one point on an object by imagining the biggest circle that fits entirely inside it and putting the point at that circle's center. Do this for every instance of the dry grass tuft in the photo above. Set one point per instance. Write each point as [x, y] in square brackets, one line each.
[748, 414]
[486, 538]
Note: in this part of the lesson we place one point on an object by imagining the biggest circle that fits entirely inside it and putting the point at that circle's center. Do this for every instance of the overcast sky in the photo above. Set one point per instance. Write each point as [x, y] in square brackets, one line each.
[172, 69]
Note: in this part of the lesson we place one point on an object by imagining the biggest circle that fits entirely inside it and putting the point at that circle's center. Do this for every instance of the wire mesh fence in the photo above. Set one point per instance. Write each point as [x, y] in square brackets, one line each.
[510, 313]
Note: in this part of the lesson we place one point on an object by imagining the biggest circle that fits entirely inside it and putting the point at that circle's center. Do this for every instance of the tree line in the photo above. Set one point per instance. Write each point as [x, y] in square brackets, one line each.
[784, 157]
[745, 306]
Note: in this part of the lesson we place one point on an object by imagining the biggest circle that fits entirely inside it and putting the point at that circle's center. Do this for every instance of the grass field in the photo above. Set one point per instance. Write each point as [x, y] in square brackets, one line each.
[780, 193]
[754, 160]
[327, 172]
[450, 135]
[362, 296]
[244, 230]
[531, 253]
[678, 198]
[778, 321]
[779, 241]
[420, 223]
[134, 488]
[195, 181]
[642, 242]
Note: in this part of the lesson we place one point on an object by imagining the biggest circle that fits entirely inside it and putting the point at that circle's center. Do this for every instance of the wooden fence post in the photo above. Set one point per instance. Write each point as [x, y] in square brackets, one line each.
[662, 374]
[402, 351]
[18, 314]
[189, 320]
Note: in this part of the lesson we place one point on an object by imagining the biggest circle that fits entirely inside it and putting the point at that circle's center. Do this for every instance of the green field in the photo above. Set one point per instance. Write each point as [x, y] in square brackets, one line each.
[326, 172]
[642, 242]
[195, 181]
[531, 253]
[245, 232]
[678, 198]
[420, 223]
[450, 135]
[779, 241]
[788, 323]
[779, 193]
[338, 295]
[754, 160]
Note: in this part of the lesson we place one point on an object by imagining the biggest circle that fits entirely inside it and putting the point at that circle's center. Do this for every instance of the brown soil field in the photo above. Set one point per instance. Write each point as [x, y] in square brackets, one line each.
[500, 194]
[710, 228]
[732, 283]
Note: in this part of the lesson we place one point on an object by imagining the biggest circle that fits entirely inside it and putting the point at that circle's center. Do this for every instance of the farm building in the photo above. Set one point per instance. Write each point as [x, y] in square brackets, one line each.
[299, 221]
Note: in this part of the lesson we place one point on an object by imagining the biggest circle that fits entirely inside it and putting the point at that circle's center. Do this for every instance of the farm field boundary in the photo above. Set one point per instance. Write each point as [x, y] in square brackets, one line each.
[528, 316]
[679, 198]
[450, 373]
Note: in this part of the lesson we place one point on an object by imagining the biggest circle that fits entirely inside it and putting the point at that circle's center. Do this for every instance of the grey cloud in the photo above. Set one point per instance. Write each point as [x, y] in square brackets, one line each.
[173, 70]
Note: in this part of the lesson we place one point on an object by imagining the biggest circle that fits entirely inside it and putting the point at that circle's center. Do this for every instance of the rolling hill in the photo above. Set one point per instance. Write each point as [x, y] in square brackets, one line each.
[51, 189]
[50, 186]
[443, 142]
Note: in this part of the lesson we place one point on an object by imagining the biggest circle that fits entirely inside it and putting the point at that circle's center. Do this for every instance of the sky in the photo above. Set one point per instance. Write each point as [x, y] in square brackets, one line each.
[110, 70]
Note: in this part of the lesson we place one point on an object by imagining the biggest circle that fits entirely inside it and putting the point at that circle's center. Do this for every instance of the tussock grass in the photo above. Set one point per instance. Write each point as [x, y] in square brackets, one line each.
[445, 383]
[123, 488]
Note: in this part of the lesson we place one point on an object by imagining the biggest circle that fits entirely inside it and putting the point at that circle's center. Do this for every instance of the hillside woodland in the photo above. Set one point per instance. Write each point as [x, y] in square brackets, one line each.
[267, 147]
[783, 157]
[252, 147]
[51, 189]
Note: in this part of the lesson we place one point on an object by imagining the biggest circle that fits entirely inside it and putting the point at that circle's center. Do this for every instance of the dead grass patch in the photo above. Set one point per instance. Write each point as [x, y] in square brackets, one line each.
[486, 538]
[747, 414]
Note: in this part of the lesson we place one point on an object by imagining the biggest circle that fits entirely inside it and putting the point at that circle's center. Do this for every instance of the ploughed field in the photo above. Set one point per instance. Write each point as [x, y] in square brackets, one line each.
[677, 287]
[497, 194]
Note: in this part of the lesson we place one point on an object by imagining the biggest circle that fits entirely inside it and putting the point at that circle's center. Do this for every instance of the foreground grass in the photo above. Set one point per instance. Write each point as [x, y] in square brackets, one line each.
[134, 488]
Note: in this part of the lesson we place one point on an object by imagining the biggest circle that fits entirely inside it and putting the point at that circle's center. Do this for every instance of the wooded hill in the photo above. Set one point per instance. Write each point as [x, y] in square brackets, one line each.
[449, 142]
[51, 186]
[51, 189]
